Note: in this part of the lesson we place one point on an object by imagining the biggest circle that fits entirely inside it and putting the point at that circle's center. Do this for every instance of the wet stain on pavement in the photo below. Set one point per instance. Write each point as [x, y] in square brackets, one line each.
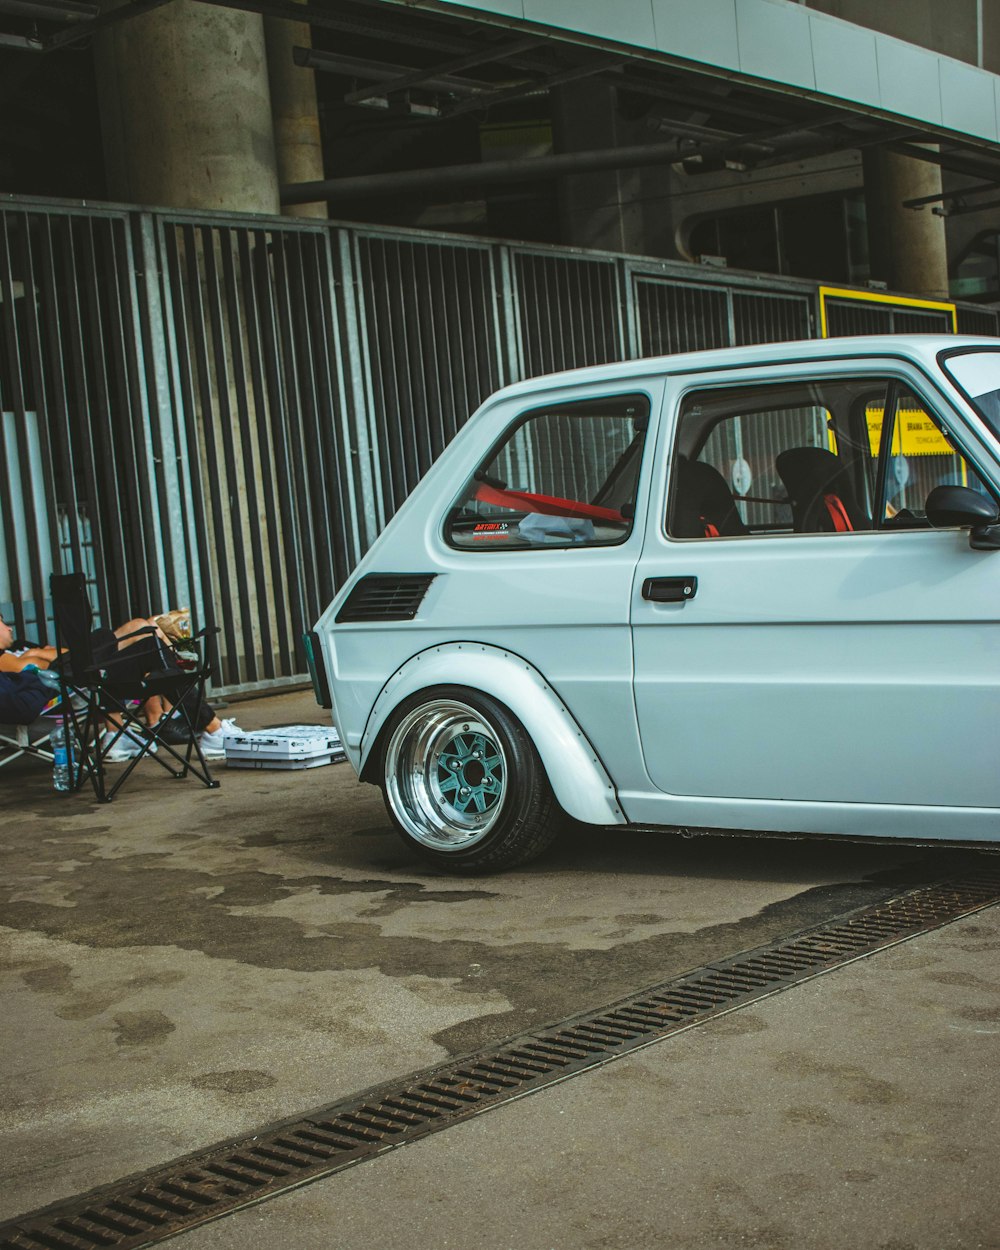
[240, 1081]
[95, 1002]
[118, 889]
[147, 899]
[980, 1015]
[142, 1028]
[855, 1084]
[51, 979]
[401, 896]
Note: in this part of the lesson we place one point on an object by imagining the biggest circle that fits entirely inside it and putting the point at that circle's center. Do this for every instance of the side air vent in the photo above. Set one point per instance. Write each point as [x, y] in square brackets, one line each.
[385, 597]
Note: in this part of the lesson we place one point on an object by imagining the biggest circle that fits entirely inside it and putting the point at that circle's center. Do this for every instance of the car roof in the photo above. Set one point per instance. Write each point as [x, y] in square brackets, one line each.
[922, 348]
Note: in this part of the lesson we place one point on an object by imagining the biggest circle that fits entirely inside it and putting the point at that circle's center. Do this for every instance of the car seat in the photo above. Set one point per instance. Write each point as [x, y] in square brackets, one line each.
[704, 506]
[819, 491]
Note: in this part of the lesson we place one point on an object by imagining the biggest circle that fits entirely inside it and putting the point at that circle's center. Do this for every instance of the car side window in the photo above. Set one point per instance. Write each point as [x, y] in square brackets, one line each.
[917, 455]
[563, 476]
[784, 458]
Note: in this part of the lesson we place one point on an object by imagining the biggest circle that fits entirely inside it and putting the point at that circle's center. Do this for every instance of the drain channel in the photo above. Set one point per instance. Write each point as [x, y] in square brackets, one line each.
[143, 1210]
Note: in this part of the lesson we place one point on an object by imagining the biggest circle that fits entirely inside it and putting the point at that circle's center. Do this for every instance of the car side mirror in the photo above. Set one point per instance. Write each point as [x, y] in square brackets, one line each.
[948, 506]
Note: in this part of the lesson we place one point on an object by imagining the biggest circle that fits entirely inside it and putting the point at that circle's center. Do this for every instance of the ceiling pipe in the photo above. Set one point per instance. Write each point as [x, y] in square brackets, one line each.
[528, 169]
[51, 10]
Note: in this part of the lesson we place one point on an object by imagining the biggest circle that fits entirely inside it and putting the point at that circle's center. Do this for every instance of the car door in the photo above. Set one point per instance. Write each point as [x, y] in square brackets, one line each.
[808, 642]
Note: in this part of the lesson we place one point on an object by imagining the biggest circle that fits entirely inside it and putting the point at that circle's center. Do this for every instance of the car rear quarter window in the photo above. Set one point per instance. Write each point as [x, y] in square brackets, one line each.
[563, 476]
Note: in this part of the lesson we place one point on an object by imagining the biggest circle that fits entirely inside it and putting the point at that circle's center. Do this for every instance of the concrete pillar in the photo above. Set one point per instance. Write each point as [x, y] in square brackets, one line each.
[600, 210]
[907, 247]
[297, 141]
[186, 110]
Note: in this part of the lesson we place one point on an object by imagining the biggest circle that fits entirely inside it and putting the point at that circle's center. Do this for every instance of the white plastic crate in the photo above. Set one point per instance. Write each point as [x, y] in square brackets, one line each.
[287, 746]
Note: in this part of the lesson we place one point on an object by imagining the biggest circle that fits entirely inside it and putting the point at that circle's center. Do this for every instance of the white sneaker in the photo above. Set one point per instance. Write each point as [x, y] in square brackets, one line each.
[213, 745]
[126, 748]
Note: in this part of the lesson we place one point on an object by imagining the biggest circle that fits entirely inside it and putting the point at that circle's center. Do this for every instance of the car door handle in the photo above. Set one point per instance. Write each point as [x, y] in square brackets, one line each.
[669, 589]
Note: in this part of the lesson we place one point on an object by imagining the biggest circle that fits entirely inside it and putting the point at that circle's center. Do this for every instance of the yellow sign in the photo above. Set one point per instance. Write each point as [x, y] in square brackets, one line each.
[914, 433]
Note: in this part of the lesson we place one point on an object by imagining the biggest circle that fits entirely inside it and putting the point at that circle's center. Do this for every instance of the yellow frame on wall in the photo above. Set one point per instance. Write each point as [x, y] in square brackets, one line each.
[877, 297]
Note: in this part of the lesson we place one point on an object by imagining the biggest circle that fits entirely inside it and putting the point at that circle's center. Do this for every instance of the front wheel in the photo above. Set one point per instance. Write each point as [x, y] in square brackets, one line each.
[463, 783]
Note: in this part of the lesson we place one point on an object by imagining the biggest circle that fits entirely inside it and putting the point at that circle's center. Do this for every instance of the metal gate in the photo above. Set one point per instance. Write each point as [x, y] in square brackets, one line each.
[223, 412]
[266, 500]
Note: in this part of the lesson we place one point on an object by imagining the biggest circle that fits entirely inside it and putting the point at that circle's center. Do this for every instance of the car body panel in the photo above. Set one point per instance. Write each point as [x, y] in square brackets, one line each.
[844, 683]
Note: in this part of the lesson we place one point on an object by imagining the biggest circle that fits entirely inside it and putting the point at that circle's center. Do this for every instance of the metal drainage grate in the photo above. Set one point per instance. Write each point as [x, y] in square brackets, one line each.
[142, 1210]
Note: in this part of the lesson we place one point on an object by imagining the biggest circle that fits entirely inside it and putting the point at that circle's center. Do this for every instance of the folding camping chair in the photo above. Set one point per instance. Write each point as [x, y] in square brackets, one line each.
[16, 740]
[113, 681]
[21, 709]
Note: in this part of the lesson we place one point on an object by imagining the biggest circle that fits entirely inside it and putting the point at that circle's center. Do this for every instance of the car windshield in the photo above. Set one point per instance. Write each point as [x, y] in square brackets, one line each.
[977, 374]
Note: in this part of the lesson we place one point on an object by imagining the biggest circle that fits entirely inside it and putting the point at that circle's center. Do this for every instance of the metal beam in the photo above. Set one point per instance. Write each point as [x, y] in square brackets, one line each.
[419, 77]
[110, 18]
[530, 169]
[52, 10]
[538, 87]
[22, 43]
[978, 189]
[380, 71]
[958, 208]
[957, 163]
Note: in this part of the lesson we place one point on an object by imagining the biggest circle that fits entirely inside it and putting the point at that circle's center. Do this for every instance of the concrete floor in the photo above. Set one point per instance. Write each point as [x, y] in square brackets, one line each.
[857, 1112]
[183, 965]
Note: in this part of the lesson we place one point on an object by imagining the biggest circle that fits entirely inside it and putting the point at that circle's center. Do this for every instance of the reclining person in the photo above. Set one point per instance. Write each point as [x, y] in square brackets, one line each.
[211, 731]
[16, 654]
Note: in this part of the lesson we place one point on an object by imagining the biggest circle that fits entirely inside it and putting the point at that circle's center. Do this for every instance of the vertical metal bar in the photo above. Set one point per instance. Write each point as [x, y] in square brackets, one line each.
[338, 360]
[361, 430]
[202, 423]
[58, 426]
[27, 350]
[296, 360]
[630, 310]
[382, 322]
[332, 471]
[320, 472]
[137, 472]
[427, 398]
[114, 596]
[14, 396]
[82, 425]
[147, 380]
[192, 498]
[513, 330]
[243, 473]
[229, 518]
[279, 377]
[252, 248]
[167, 518]
[32, 340]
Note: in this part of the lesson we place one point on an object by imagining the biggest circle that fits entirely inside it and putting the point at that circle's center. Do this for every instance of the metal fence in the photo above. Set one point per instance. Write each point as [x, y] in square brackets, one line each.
[222, 413]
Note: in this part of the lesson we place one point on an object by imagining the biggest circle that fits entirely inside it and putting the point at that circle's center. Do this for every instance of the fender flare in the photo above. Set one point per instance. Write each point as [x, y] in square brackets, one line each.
[578, 778]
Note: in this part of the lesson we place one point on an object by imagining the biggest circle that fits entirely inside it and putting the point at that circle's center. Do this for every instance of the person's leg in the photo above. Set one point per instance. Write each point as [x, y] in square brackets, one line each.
[154, 709]
[133, 627]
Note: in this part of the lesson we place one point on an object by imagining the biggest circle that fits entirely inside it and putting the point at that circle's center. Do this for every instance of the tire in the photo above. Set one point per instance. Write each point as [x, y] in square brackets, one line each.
[463, 783]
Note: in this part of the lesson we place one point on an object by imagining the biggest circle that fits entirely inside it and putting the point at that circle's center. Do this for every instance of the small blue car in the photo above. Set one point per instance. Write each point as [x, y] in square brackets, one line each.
[755, 590]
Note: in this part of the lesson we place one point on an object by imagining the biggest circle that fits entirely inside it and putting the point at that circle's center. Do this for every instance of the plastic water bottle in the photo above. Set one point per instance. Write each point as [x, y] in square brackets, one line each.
[62, 755]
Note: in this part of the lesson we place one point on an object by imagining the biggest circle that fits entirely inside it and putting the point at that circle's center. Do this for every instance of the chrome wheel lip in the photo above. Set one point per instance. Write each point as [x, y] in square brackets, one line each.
[431, 743]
